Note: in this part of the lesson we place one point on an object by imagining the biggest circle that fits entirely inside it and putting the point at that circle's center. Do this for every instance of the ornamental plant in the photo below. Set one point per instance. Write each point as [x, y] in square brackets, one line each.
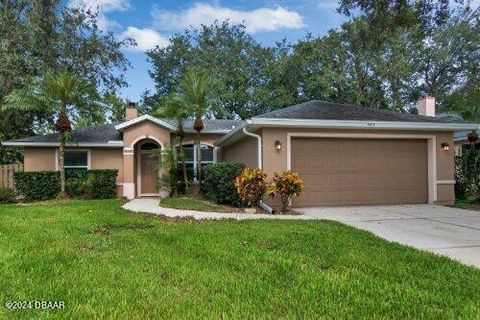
[251, 185]
[286, 185]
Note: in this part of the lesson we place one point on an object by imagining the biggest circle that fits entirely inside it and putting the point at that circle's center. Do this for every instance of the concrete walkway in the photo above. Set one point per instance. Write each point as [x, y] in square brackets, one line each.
[151, 205]
[443, 230]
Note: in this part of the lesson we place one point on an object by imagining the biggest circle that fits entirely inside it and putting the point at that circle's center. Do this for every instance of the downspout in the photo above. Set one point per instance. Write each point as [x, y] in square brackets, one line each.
[259, 141]
[261, 204]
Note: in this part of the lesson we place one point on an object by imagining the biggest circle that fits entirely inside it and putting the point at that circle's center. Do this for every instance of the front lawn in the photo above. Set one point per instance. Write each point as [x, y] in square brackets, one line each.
[105, 262]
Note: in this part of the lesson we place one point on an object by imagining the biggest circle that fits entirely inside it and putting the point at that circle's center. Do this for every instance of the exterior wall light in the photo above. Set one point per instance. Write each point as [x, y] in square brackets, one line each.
[445, 146]
[278, 145]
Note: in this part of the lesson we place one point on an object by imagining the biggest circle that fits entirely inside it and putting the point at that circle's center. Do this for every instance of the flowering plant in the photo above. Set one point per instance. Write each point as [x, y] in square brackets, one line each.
[286, 185]
[251, 185]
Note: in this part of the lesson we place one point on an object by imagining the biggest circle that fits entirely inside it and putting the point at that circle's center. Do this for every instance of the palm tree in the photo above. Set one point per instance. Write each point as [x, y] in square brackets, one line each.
[174, 106]
[197, 88]
[60, 94]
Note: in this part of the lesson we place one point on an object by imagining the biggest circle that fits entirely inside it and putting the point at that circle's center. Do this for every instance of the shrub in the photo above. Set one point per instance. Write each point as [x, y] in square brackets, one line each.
[219, 182]
[251, 185]
[7, 195]
[45, 185]
[75, 183]
[101, 184]
[467, 175]
[286, 185]
[37, 185]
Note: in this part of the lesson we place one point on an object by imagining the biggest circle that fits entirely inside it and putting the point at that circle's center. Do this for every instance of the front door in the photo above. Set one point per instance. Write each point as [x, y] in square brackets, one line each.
[149, 177]
[147, 173]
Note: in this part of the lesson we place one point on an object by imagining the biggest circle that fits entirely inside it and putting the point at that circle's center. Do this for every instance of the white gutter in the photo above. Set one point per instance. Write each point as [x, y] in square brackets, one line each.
[357, 124]
[259, 142]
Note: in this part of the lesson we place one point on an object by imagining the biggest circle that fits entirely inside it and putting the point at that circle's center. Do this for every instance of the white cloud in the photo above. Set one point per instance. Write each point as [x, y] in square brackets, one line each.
[103, 7]
[146, 38]
[261, 19]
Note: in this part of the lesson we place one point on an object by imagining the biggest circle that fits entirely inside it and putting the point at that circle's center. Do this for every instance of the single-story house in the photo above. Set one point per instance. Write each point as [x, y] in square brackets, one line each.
[346, 154]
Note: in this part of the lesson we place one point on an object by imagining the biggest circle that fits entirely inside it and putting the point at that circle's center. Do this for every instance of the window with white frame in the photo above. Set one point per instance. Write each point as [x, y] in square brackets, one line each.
[189, 151]
[77, 159]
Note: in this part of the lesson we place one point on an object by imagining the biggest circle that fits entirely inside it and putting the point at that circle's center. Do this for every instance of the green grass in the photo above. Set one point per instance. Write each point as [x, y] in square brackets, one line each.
[105, 262]
[194, 204]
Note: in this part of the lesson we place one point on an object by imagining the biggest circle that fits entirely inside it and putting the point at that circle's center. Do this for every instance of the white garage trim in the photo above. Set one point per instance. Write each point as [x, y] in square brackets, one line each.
[432, 152]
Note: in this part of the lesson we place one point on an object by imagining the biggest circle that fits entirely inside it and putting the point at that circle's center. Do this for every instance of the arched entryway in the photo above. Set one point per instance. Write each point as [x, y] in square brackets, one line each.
[147, 170]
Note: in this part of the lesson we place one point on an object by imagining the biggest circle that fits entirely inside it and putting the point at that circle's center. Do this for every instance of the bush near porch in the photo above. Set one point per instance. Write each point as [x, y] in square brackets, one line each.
[219, 183]
[85, 184]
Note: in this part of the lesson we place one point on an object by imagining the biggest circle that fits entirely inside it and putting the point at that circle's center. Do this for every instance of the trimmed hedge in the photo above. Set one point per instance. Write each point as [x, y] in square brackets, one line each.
[7, 195]
[219, 182]
[102, 184]
[37, 185]
[45, 185]
[75, 183]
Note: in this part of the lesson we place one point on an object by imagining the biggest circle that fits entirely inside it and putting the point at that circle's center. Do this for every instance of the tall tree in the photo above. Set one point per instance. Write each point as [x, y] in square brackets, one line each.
[38, 35]
[62, 95]
[221, 49]
[197, 88]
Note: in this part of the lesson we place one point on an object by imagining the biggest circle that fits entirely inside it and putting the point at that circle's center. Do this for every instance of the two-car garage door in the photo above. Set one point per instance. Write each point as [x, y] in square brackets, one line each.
[360, 171]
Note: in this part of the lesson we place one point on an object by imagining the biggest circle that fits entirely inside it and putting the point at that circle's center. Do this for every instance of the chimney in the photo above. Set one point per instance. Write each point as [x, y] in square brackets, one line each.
[131, 111]
[426, 106]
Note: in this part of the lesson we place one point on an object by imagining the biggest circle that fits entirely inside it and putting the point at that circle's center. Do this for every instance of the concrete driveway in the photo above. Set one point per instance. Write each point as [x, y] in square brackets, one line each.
[447, 231]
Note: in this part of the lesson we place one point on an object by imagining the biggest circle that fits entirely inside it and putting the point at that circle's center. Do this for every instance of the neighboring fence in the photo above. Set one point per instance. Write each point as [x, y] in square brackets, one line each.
[6, 174]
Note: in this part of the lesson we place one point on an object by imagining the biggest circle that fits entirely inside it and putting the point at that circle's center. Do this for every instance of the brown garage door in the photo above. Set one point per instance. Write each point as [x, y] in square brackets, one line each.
[360, 171]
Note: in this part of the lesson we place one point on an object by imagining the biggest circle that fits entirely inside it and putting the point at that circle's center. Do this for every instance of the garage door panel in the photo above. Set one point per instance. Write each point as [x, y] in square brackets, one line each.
[360, 171]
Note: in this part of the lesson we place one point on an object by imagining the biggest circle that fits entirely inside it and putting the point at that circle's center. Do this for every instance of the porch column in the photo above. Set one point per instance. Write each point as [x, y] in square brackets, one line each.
[128, 173]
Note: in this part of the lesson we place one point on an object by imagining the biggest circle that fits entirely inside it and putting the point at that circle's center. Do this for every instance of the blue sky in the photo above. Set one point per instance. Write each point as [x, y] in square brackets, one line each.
[151, 23]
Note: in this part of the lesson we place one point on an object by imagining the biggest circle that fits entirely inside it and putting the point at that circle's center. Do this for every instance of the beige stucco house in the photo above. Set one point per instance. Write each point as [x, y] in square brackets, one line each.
[346, 154]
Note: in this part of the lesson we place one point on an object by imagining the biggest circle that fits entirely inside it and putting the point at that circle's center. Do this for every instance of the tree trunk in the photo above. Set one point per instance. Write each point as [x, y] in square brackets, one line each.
[63, 126]
[61, 161]
[184, 165]
[199, 162]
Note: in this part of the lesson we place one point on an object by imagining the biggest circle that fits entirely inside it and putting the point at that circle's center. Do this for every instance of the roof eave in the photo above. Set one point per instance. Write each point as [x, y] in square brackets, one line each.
[143, 118]
[238, 131]
[361, 124]
[210, 131]
[256, 123]
[109, 144]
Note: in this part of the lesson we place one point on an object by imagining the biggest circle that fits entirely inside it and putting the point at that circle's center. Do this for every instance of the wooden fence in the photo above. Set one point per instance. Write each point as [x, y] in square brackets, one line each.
[6, 174]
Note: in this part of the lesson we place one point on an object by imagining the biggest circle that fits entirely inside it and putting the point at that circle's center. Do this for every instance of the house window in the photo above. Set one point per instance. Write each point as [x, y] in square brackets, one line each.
[149, 146]
[76, 160]
[189, 150]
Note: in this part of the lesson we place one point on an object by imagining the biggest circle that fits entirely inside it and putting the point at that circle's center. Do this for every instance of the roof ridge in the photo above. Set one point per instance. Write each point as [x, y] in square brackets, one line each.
[320, 109]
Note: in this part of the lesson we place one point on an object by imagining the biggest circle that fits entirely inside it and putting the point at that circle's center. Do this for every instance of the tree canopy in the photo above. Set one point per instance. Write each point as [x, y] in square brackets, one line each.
[387, 55]
[39, 36]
